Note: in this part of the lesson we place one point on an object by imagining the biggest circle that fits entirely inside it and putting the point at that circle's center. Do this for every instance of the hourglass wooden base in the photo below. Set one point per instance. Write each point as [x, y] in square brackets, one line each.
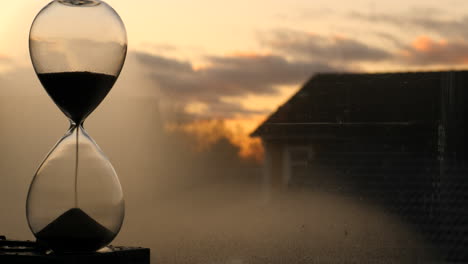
[27, 252]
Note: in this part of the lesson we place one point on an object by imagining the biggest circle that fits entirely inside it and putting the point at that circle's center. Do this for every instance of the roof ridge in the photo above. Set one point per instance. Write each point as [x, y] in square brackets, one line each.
[348, 96]
[387, 72]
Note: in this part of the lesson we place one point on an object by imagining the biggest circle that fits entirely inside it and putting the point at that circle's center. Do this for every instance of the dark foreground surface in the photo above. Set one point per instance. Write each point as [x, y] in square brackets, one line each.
[26, 252]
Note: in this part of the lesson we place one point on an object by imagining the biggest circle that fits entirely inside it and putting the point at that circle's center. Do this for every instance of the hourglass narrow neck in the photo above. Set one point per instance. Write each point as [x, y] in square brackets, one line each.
[74, 125]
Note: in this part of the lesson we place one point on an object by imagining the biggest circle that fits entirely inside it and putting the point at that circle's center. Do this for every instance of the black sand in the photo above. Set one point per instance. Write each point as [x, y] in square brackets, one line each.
[77, 93]
[75, 231]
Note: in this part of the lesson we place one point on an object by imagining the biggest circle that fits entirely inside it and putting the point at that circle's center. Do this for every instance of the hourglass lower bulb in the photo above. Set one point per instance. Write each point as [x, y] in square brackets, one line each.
[75, 201]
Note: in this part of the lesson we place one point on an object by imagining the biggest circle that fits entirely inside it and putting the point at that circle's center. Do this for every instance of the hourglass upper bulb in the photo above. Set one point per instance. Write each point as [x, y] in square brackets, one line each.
[81, 44]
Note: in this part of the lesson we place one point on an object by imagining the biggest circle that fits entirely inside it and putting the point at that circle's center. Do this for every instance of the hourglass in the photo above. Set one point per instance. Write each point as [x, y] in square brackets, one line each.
[75, 201]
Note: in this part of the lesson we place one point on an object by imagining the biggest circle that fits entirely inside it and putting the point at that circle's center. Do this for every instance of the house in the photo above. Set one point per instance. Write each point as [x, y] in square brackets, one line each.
[398, 139]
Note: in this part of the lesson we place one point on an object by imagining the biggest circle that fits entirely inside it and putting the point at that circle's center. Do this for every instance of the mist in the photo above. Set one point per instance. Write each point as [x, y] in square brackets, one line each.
[188, 205]
[212, 205]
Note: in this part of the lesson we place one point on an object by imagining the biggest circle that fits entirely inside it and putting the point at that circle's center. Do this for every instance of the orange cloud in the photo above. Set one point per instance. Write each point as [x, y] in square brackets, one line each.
[427, 51]
[338, 37]
[249, 148]
[200, 66]
[426, 44]
[4, 57]
[404, 53]
[422, 43]
[209, 132]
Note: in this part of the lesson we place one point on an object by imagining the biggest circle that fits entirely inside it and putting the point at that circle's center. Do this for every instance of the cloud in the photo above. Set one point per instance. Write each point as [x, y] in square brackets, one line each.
[323, 48]
[200, 90]
[441, 40]
[427, 51]
[207, 133]
[166, 64]
[452, 28]
[233, 76]
[161, 47]
[4, 58]
[428, 20]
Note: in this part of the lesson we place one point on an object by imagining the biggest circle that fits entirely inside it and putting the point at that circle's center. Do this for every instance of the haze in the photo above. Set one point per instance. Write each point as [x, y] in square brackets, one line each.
[200, 76]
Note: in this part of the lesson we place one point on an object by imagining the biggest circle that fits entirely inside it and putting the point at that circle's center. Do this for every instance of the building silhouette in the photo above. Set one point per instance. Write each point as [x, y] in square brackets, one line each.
[396, 139]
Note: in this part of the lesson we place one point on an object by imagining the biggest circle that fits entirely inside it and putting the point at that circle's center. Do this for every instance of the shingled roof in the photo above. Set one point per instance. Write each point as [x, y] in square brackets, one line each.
[362, 99]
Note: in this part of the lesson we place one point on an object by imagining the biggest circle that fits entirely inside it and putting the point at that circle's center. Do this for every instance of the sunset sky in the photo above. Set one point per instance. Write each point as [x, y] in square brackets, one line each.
[239, 60]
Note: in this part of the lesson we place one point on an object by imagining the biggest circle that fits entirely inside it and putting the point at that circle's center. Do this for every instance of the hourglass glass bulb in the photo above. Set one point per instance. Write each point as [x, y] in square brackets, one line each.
[78, 48]
[75, 201]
